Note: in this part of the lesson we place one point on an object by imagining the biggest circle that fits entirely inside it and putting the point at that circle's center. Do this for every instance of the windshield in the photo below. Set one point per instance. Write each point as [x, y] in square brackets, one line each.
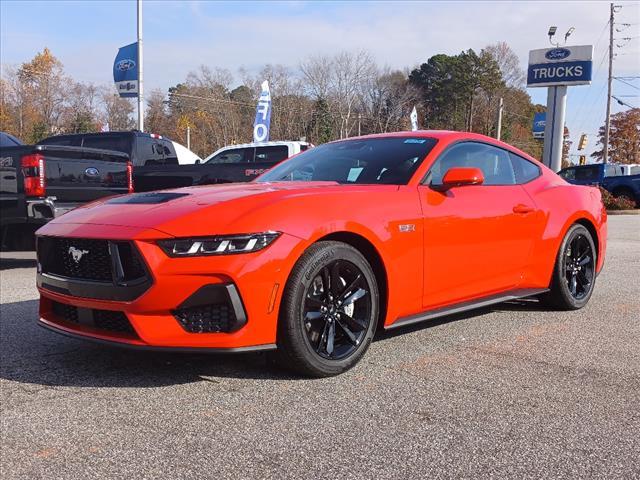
[390, 160]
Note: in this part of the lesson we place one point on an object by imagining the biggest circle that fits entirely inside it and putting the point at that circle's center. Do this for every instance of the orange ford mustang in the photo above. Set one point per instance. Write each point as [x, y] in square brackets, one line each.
[309, 259]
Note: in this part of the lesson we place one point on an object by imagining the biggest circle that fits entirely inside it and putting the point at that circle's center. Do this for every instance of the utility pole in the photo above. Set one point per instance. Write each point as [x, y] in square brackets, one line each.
[140, 87]
[359, 121]
[188, 137]
[607, 126]
[499, 120]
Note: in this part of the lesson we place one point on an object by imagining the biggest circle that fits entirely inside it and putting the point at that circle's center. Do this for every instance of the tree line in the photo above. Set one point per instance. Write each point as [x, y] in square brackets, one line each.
[324, 98]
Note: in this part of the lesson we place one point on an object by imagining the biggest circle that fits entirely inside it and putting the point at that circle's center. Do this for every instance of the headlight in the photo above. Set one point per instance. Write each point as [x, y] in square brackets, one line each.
[222, 245]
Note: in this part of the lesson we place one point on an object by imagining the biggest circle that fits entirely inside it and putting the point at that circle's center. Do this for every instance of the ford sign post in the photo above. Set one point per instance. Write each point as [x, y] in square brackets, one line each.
[550, 67]
[557, 68]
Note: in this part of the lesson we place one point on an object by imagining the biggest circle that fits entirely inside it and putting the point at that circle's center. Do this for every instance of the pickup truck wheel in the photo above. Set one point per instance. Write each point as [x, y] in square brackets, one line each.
[574, 274]
[329, 311]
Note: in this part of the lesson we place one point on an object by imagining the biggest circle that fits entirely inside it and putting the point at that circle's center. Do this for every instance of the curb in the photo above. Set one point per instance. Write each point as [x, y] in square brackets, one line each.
[624, 212]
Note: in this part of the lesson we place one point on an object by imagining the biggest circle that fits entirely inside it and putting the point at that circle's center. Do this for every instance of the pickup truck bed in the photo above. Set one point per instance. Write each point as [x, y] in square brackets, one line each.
[31, 195]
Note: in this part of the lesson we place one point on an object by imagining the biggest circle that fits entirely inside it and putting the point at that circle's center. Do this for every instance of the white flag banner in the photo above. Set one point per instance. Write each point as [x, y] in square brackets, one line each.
[414, 119]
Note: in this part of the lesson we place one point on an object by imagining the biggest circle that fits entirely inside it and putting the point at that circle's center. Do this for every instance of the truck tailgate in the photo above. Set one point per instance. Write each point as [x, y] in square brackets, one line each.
[75, 174]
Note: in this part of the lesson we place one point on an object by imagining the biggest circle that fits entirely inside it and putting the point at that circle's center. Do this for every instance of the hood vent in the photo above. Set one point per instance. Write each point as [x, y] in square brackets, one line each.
[147, 198]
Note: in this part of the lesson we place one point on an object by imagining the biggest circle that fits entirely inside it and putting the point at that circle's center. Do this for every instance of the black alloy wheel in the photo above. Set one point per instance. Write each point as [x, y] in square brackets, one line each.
[579, 266]
[337, 310]
[329, 311]
[574, 274]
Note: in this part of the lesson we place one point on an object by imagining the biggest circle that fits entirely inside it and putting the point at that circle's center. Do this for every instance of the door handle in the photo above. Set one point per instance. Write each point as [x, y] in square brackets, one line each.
[523, 209]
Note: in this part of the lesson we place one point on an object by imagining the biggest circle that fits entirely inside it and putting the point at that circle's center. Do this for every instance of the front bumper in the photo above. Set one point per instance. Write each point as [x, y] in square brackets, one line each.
[257, 279]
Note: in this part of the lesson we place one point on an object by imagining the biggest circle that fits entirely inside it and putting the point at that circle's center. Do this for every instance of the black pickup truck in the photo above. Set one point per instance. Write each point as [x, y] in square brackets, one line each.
[39, 182]
[157, 166]
[148, 153]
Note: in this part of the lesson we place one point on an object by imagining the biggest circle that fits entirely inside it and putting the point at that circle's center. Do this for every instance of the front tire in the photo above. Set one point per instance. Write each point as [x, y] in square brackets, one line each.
[329, 311]
[574, 274]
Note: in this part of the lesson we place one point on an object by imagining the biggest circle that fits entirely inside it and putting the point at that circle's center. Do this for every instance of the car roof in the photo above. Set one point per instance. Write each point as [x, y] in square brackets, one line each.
[451, 135]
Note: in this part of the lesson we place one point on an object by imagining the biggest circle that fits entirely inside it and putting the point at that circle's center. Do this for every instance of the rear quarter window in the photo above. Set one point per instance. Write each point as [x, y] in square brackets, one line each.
[524, 170]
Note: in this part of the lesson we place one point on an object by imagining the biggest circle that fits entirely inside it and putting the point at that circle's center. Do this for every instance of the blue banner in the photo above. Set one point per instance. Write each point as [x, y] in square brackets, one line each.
[125, 70]
[562, 73]
[539, 120]
[263, 115]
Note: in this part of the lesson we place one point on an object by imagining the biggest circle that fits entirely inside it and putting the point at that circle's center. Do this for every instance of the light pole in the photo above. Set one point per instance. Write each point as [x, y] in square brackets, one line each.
[556, 108]
[140, 84]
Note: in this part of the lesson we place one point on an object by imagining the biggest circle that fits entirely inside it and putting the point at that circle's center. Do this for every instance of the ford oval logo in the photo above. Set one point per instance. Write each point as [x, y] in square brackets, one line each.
[92, 172]
[124, 65]
[557, 54]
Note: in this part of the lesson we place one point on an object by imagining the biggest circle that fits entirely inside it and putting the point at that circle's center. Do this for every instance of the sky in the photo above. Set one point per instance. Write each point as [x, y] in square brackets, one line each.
[179, 36]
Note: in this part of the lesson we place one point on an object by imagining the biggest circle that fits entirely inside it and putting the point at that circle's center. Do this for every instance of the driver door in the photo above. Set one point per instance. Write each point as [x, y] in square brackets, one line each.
[477, 238]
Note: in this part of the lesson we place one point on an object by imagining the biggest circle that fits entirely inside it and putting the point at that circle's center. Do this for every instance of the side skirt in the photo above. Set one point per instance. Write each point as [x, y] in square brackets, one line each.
[465, 306]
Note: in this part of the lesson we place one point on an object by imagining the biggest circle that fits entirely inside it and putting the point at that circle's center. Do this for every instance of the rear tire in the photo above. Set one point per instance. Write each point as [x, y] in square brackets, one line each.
[574, 274]
[329, 311]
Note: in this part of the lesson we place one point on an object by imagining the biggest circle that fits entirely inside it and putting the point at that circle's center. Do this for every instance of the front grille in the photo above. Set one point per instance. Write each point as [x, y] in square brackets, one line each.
[81, 258]
[211, 318]
[106, 320]
[89, 259]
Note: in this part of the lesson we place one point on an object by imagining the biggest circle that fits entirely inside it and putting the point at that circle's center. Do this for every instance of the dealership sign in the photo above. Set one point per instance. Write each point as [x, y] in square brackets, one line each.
[125, 70]
[550, 67]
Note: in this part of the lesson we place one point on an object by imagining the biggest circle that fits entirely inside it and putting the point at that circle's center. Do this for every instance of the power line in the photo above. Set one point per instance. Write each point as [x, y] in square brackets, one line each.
[626, 83]
[621, 102]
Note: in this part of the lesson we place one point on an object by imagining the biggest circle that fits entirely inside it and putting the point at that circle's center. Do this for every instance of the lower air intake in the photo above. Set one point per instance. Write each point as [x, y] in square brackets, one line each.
[106, 320]
[213, 318]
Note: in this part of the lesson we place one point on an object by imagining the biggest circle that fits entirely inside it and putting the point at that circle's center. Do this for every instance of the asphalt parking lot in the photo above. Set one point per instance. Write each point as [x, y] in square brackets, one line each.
[512, 391]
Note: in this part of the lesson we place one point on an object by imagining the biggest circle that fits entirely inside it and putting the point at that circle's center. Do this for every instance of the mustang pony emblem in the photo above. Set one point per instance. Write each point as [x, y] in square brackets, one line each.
[77, 254]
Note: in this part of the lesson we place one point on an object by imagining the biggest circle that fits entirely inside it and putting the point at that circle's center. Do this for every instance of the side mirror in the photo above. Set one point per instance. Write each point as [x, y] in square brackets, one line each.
[460, 176]
[197, 161]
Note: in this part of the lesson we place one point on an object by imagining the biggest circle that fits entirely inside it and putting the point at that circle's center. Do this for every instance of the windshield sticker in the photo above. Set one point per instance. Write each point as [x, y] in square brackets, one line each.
[415, 140]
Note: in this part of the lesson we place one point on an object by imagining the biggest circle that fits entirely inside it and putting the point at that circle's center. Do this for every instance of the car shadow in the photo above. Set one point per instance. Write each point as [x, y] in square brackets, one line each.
[11, 263]
[33, 355]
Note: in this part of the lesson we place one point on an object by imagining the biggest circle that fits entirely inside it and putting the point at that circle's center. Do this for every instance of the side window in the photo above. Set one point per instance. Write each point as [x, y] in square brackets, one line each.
[587, 174]
[494, 163]
[524, 170]
[235, 155]
[170, 155]
[150, 152]
[273, 154]
[568, 174]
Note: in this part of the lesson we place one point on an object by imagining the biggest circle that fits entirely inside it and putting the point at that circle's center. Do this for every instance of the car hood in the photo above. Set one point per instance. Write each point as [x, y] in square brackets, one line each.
[193, 210]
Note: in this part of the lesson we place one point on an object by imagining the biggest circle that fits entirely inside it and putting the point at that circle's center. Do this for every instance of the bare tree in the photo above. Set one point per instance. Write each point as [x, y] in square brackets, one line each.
[509, 63]
[117, 110]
